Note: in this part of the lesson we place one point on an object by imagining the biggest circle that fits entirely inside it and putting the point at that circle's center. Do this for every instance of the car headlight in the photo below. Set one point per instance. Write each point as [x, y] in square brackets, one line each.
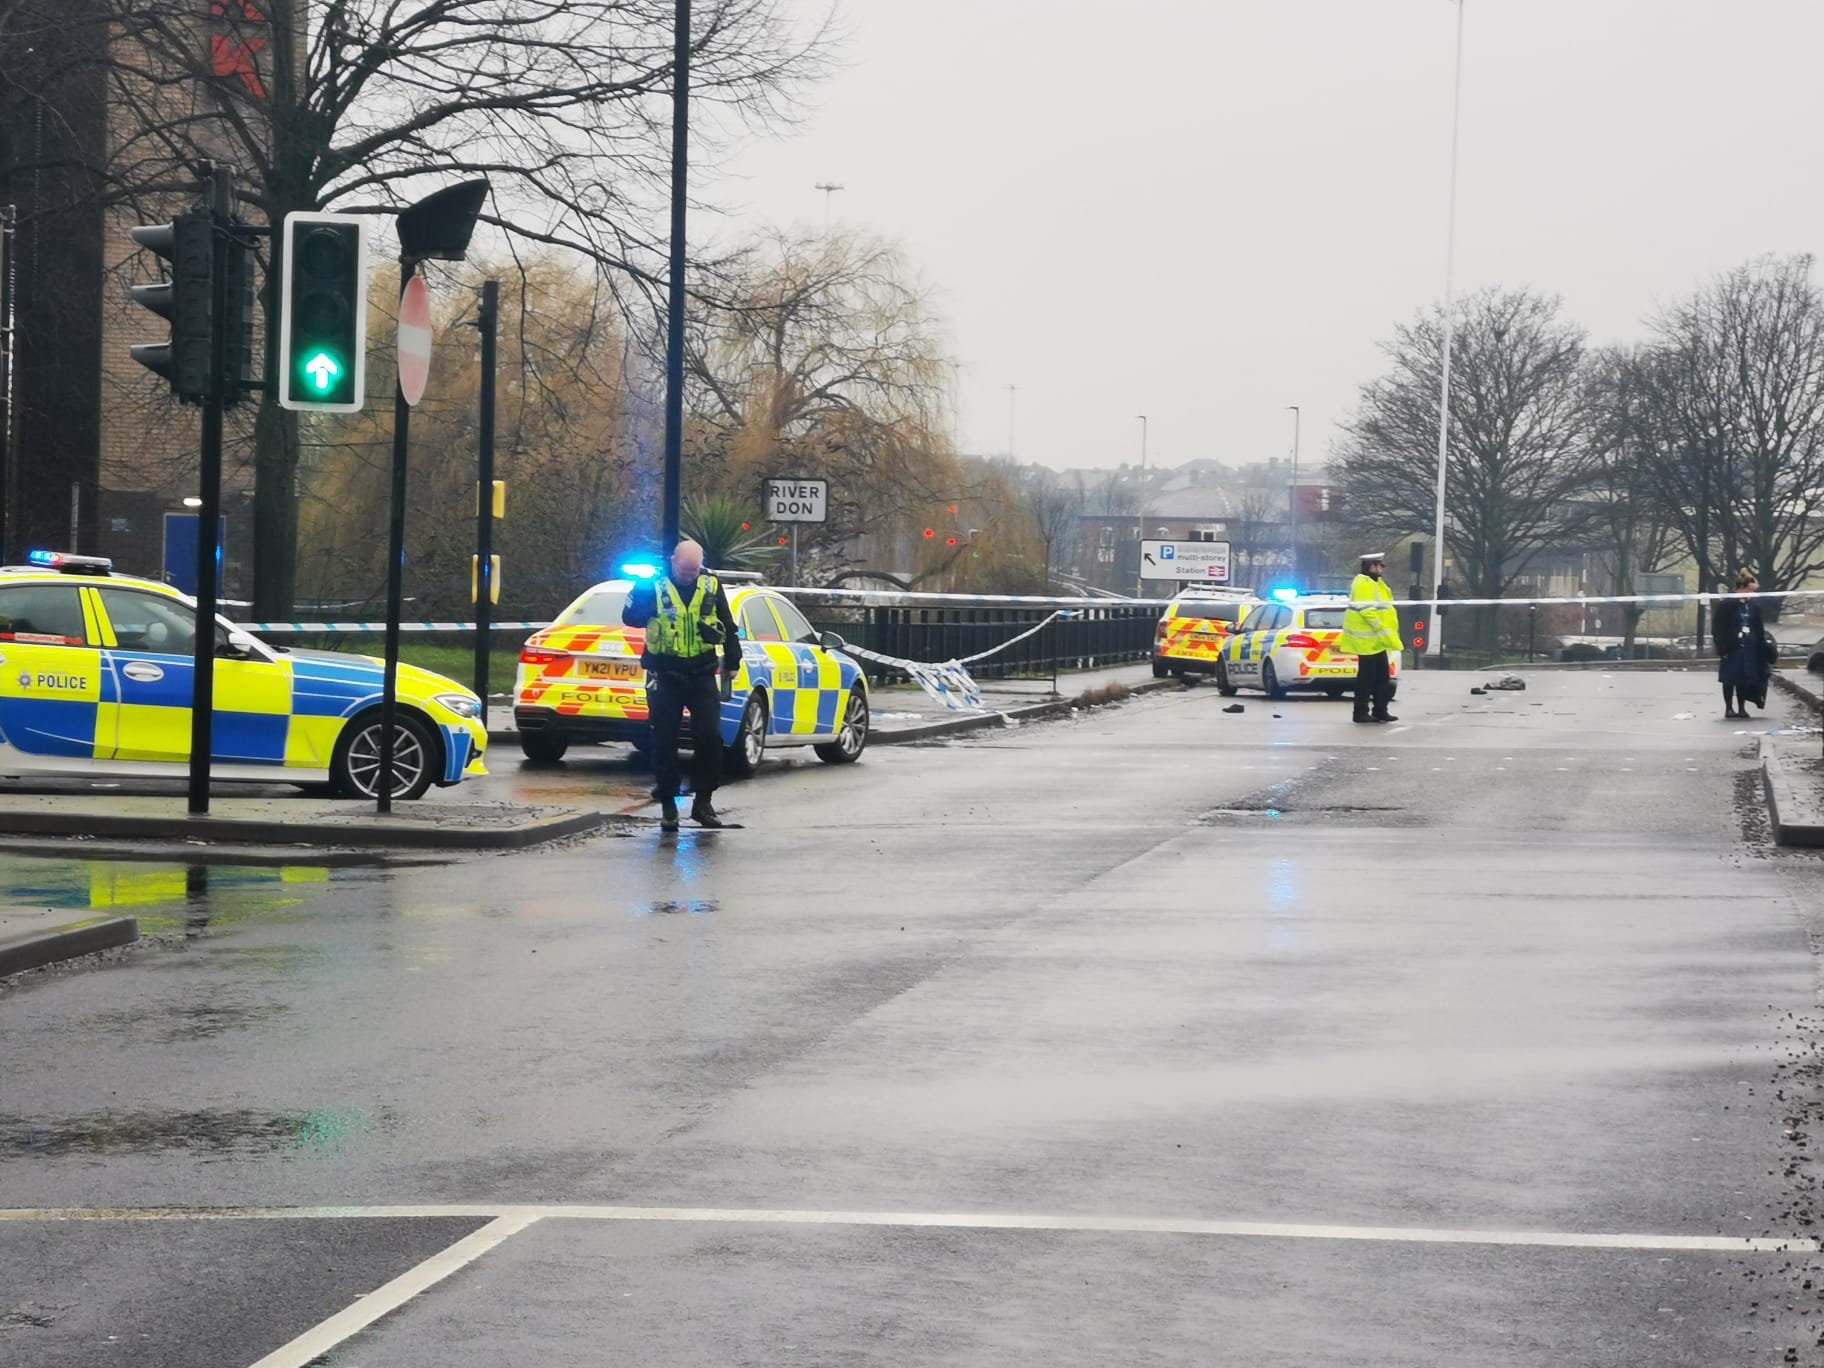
[461, 704]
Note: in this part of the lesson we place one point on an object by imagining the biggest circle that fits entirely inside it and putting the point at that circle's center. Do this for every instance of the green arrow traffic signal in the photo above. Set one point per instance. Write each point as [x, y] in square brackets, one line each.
[323, 313]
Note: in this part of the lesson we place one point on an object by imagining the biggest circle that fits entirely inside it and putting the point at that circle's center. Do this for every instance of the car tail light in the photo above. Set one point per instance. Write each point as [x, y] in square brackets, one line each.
[1303, 641]
[541, 655]
[1159, 632]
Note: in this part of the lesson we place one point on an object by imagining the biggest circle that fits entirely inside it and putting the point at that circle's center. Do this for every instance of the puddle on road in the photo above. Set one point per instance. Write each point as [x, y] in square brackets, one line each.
[164, 896]
[321, 1132]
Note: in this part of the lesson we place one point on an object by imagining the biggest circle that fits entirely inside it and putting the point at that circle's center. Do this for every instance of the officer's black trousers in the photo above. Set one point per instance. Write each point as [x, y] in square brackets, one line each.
[669, 696]
[1373, 685]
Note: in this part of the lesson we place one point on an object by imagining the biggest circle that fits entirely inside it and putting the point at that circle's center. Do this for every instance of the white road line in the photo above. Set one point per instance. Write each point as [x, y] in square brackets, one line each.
[1110, 1225]
[320, 1339]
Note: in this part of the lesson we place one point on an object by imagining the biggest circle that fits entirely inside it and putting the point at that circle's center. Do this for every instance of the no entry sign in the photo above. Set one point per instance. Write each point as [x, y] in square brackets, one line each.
[414, 340]
[790, 501]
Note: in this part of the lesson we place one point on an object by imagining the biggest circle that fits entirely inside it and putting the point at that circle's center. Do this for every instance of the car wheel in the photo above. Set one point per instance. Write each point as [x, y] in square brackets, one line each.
[846, 749]
[1159, 670]
[1223, 687]
[355, 767]
[1269, 679]
[1333, 691]
[543, 747]
[743, 758]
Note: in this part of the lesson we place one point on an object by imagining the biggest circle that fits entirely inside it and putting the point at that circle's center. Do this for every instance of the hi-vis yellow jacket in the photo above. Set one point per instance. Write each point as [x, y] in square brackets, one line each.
[1372, 624]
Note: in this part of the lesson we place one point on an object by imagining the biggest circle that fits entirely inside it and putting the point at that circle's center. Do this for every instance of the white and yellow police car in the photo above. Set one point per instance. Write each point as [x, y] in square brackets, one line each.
[96, 674]
[1290, 643]
[580, 680]
[1193, 627]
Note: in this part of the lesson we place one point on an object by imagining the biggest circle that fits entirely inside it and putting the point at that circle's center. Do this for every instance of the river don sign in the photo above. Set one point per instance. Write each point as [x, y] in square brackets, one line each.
[796, 501]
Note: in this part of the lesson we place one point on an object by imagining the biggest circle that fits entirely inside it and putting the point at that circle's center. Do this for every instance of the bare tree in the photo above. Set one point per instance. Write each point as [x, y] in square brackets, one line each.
[1518, 449]
[1623, 490]
[1735, 380]
[1054, 502]
[817, 356]
[366, 104]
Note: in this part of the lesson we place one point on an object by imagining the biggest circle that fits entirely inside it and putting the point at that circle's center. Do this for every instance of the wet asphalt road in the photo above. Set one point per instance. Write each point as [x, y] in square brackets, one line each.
[1516, 971]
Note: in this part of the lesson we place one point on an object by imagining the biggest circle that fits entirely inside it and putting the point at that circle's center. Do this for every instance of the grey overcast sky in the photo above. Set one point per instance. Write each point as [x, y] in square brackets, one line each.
[1206, 210]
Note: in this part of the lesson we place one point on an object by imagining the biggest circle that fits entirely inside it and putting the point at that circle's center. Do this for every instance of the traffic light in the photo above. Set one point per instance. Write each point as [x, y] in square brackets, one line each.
[323, 313]
[185, 300]
[241, 284]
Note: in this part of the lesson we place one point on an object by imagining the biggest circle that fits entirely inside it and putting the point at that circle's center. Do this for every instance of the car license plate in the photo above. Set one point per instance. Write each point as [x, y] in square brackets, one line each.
[609, 669]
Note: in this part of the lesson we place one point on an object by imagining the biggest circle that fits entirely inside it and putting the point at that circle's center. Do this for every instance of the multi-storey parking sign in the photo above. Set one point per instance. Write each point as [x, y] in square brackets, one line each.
[1206, 561]
[796, 501]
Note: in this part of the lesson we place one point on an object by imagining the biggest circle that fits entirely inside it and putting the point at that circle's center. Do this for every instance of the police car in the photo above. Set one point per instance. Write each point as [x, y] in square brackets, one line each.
[1290, 643]
[1193, 627]
[96, 671]
[580, 680]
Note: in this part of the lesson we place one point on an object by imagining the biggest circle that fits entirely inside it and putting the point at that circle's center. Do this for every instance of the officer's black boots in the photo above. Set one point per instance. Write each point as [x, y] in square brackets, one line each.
[668, 814]
[703, 814]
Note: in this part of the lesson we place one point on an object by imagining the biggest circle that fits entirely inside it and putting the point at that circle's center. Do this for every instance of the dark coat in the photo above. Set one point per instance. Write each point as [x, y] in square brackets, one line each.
[1745, 654]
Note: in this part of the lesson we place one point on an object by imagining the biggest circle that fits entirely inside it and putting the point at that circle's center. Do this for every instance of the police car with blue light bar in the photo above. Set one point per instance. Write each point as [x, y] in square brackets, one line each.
[96, 678]
[580, 680]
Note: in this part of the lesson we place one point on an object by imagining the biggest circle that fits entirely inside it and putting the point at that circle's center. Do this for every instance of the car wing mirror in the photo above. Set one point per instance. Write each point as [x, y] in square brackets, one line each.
[242, 645]
[831, 642]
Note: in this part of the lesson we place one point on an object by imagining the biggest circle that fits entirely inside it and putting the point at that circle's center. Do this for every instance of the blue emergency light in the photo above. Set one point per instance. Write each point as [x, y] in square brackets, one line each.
[640, 570]
[1285, 594]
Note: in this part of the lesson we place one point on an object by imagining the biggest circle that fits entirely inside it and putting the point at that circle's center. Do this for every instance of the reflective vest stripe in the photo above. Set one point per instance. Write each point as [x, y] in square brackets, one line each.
[676, 628]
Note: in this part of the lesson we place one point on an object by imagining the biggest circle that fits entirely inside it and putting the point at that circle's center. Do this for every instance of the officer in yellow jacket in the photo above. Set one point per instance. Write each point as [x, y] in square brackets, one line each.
[1371, 632]
[689, 629]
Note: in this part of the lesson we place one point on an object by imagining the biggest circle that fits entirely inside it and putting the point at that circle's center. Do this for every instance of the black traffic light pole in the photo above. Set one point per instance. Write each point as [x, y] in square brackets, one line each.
[438, 227]
[395, 573]
[488, 320]
[202, 697]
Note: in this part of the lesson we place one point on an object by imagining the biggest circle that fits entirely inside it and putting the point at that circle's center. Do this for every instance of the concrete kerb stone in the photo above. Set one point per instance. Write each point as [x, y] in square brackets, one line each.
[200, 833]
[35, 949]
[1795, 809]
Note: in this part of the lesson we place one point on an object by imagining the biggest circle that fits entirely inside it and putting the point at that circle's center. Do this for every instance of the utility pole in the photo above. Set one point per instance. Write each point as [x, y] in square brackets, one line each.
[1292, 501]
[829, 188]
[1140, 495]
[673, 512]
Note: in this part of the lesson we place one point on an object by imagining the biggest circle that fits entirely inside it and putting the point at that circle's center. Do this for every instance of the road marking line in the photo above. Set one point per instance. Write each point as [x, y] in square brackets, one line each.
[321, 1338]
[1110, 1225]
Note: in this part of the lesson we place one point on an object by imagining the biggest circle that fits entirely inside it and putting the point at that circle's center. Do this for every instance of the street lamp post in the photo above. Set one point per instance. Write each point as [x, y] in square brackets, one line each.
[1292, 498]
[829, 188]
[1436, 644]
[671, 509]
[1141, 495]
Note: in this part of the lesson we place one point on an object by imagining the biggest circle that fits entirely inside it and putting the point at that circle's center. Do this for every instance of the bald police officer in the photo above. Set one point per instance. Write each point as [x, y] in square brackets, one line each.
[688, 627]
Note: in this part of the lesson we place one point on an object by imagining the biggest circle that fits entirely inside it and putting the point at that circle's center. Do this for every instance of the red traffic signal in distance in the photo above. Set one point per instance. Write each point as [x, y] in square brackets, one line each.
[783, 540]
[1418, 634]
[930, 532]
[953, 508]
[953, 541]
[747, 527]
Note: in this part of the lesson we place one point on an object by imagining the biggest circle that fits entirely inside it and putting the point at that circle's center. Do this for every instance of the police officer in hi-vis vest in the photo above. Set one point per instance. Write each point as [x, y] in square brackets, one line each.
[1371, 633]
[688, 628]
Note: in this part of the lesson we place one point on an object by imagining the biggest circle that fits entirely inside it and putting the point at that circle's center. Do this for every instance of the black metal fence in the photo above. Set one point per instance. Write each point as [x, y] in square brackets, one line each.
[923, 627]
[1093, 635]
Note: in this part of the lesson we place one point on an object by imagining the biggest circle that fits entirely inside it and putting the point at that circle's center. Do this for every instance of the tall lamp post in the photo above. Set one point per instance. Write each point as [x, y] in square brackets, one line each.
[1292, 498]
[1436, 644]
[1141, 495]
[672, 514]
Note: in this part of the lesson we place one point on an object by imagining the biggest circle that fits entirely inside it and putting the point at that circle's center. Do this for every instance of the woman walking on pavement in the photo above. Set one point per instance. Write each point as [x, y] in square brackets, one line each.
[1741, 644]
